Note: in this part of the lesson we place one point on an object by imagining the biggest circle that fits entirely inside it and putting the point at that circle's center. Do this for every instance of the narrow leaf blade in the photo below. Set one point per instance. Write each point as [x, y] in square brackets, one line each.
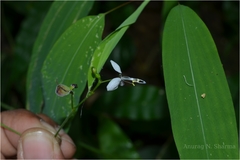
[60, 16]
[203, 126]
[68, 63]
[107, 45]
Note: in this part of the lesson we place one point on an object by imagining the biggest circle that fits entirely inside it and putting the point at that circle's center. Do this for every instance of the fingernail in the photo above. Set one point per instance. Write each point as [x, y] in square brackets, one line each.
[37, 144]
[47, 126]
[51, 129]
[66, 137]
[61, 130]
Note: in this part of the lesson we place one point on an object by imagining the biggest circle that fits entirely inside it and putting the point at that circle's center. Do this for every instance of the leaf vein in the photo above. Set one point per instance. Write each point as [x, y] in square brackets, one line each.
[194, 83]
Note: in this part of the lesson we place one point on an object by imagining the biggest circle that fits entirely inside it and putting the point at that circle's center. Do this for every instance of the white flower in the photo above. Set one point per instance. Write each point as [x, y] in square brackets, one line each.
[116, 66]
[115, 82]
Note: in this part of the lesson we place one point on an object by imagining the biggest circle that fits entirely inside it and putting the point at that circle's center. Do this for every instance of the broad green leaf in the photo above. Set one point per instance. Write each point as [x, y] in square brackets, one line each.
[60, 16]
[68, 63]
[113, 141]
[203, 127]
[135, 103]
[107, 45]
[167, 6]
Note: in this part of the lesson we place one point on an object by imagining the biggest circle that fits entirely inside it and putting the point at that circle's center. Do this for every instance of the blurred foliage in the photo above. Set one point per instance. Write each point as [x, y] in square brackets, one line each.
[21, 22]
[147, 134]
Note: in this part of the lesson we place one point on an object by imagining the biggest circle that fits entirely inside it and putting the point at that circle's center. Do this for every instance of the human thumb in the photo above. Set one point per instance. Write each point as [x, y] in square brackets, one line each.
[39, 143]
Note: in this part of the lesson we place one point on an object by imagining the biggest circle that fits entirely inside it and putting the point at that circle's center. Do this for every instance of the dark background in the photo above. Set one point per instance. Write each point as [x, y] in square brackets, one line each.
[139, 52]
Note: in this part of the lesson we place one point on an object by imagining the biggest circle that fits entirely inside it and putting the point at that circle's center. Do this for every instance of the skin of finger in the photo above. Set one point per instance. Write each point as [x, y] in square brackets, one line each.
[33, 150]
[2, 157]
[67, 146]
[6, 146]
[21, 120]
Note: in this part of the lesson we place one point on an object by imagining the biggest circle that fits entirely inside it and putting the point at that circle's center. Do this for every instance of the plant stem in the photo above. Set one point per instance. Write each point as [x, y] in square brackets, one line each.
[65, 121]
[106, 81]
[117, 7]
[74, 109]
[5, 106]
[72, 100]
[94, 150]
[10, 129]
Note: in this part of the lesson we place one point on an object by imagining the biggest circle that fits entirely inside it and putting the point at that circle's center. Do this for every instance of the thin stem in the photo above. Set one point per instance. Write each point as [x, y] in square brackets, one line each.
[81, 103]
[5, 106]
[117, 7]
[94, 150]
[68, 117]
[65, 121]
[72, 99]
[88, 95]
[10, 129]
[165, 147]
[74, 109]
[106, 81]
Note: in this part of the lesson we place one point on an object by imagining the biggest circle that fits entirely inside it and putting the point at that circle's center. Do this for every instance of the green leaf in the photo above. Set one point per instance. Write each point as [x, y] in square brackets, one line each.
[68, 63]
[202, 127]
[107, 45]
[60, 16]
[167, 6]
[135, 103]
[114, 142]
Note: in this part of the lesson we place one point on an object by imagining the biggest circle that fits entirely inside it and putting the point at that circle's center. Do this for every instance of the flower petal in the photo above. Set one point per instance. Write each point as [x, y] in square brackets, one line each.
[121, 83]
[116, 66]
[113, 84]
